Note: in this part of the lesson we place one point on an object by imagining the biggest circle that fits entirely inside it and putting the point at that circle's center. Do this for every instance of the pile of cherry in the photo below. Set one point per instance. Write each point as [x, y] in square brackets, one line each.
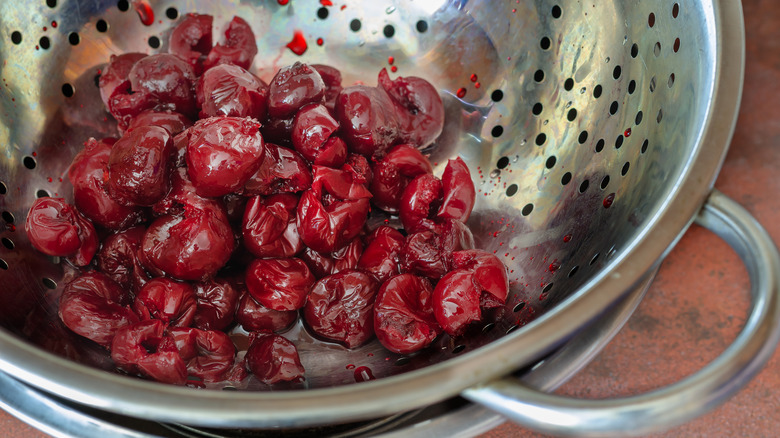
[256, 213]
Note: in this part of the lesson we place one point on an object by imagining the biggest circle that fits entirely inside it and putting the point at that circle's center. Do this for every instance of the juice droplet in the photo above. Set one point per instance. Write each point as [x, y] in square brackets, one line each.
[390, 60]
[326, 3]
[319, 41]
[350, 367]
[461, 93]
[627, 132]
[567, 238]
[45, 28]
[11, 227]
[554, 266]
[343, 7]
[283, 2]
[477, 85]
[473, 77]
[49, 179]
[54, 24]
[35, 154]
[514, 10]
[363, 374]
[393, 69]
[298, 43]
[145, 12]
[609, 200]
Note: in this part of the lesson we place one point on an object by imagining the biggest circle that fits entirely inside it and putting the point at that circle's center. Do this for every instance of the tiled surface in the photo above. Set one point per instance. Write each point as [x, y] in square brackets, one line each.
[699, 301]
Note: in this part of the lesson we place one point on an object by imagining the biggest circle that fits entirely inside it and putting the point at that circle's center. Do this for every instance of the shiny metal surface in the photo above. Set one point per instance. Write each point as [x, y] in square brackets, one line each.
[684, 400]
[542, 181]
[450, 418]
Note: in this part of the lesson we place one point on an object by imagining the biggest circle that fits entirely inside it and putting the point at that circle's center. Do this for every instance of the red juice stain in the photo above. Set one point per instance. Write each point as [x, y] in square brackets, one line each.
[609, 200]
[390, 60]
[363, 374]
[37, 48]
[49, 179]
[473, 77]
[35, 154]
[461, 93]
[54, 24]
[627, 132]
[326, 3]
[393, 69]
[350, 367]
[370, 355]
[554, 266]
[319, 41]
[514, 10]
[567, 238]
[13, 99]
[298, 43]
[145, 12]
[343, 7]
[477, 85]
[283, 2]
[45, 28]
[11, 227]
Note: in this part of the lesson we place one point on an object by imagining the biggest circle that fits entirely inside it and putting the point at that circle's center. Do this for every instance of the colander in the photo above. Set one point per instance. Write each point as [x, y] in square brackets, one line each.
[594, 132]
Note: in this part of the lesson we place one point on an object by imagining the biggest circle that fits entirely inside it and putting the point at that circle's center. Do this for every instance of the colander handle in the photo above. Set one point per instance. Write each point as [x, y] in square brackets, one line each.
[693, 396]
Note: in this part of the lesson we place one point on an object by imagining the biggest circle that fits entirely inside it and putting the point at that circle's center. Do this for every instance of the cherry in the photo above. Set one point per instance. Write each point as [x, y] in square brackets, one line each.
[229, 90]
[311, 136]
[420, 110]
[429, 253]
[191, 41]
[369, 124]
[456, 302]
[182, 195]
[87, 174]
[114, 79]
[193, 245]
[223, 155]
[95, 307]
[334, 210]
[403, 314]
[238, 49]
[208, 354]
[381, 255]
[217, 300]
[340, 308]
[283, 170]
[293, 87]
[171, 121]
[167, 81]
[273, 359]
[170, 301]
[269, 226]
[322, 265]
[138, 166]
[331, 76]
[145, 348]
[253, 316]
[394, 172]
[279, 284]
[118, 259]
[56, 228]
[490, 274]
[427, 199]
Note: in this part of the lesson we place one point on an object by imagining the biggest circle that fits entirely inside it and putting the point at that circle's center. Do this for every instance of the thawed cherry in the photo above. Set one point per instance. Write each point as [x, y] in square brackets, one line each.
[273, 359]
[312, 132]
[403, 314]
[254, 316]
[429, 252]
[229, 90]
[279, 284]
[208, 354]
[118, 258]
[322, 265]
[217, 301]
[293, 87]
[238, 48]
[269, 227]
[146, 349]
[191, 39]
[138, 166]
[170, 301]
[394, 172]
[56, 228]
[419, 108]
[283, 171]
[381, 257]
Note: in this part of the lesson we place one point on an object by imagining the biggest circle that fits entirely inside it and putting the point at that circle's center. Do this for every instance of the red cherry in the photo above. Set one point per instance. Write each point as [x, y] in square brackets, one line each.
[382, 253]
[87, 174]
[172, 122]
[458, 191]
[456, 302]
[490, 274]
[191, 40]
[229, 90]
[138, 166]
[208, 354]
[253, 316]
[311, 136]
[217, 300]
[403, 314]
[144, 348]
[170, 301]
[56, 228]
[269, 227]
[224, 154]
[394, 172]
[114, 78]
[369, 124]
[420, 109]
[279, 284]
[322, 265]
[95, 307]
[273, 359]
[239, 47]
[429, 253]
[340, 308]
[293, 87]
[167, 81]
[332, 79]
[419, 203]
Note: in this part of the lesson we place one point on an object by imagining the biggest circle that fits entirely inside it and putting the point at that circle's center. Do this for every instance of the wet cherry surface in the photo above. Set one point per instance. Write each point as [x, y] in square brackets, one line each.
[279, 284]
[56, 228]
[403, 314]
[273, 359]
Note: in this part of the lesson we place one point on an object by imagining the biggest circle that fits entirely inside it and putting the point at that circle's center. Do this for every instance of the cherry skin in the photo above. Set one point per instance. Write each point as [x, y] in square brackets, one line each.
[368, 120]
[118, 258]
[283, 171]
[293, 87]
[229, 90]
[208, 354]
[269, 226]
[381, 258]
[170, 301]
[420, 109]
[56, 228]
[239, 47]
[217, 301]
[191, 40]
[279, 284]
[138, 166]
[403, 314]
[172, 122]
[311, 136]
[166, 81]
[273, 359]
[144, 348]
[428, 253]
[253, 316]
[322, 265]
[394, 172]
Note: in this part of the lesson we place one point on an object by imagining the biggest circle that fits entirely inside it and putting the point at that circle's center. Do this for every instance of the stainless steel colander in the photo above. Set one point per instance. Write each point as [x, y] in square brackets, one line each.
[594, 132]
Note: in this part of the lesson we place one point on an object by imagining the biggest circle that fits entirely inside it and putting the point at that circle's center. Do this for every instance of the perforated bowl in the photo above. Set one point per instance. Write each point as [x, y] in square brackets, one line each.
[593, 130]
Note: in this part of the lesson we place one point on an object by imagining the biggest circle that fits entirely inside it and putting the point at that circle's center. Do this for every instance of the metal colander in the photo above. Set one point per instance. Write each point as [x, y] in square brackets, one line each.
[593, 130]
